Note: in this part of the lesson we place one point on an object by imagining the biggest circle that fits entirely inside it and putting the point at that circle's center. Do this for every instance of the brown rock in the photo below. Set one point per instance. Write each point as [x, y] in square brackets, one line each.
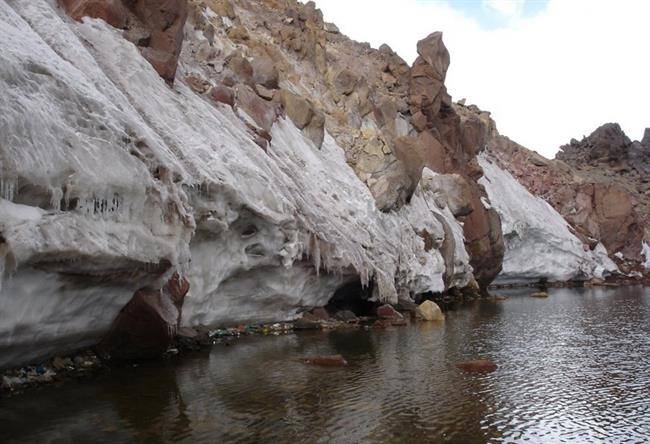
[320, 313]
[387, 311]
[197, 84]
[112, 12]
[223, 94]
[224, 8]
[147, 324]
[240, 67]
[298, 109]
[315, 130]
[435, 53]
[265, 93]
[165, 21]
[477, 366]
[238, 34]
[429, 311]
[264, 72]
[455, 190]
[261, 111]
[345, 81]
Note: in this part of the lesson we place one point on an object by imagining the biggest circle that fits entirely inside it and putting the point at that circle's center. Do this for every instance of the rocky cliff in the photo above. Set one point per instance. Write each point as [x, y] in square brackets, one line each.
[226, 162]
[599, 185]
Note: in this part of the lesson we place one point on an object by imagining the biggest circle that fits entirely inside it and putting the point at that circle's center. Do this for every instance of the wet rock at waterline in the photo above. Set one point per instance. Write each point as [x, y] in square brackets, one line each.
[387, 311]
[429, 311]
[477, 366]
[147, 325]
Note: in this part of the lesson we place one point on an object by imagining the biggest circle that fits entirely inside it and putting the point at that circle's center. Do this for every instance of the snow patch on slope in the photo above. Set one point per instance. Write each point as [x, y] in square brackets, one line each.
[539, 244]
[645, 250]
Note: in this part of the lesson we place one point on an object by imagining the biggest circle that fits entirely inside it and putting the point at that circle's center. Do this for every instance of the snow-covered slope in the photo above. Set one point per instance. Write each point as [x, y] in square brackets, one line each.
[110, 177]
[539, 244]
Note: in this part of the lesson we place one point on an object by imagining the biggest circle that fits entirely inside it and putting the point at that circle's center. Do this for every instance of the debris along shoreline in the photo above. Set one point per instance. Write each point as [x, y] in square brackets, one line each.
[90, 361]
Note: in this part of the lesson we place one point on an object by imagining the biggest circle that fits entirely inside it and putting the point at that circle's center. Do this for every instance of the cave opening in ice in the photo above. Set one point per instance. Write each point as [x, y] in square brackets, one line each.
[353, 296]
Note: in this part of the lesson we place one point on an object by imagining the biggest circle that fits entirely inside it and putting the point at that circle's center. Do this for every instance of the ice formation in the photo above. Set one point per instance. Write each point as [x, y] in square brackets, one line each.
[645, 250]
[539, 243]
[109, 177]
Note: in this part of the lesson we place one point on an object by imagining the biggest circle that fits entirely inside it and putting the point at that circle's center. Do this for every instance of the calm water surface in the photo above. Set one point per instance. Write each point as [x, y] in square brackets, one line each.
[572, 368]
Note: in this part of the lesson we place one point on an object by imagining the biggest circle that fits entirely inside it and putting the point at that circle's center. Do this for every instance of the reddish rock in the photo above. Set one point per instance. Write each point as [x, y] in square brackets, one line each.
[223, 94]
[387, 311]
[264, 113]
[327, 361]
[161, 21]
[477, 366]
[164, 19]
[320, 313]
[448, 143]
[148, 323]
[112, 12]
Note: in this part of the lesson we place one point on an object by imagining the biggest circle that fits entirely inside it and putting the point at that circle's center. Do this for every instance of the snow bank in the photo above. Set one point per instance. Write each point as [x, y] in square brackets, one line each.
[539, 244]
[645, 250]
[109, 177]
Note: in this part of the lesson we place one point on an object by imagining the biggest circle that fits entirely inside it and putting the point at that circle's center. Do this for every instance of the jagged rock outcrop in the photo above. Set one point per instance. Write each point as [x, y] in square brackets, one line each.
[448, 143]
[594, 184]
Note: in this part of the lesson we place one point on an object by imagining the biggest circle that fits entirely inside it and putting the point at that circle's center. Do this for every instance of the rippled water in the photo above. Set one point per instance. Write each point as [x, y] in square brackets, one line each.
[572, 368]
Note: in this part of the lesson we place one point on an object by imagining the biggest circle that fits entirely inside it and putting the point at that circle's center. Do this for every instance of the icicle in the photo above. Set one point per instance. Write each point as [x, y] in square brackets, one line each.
[7, 189]
[316, 253]
[56, 197]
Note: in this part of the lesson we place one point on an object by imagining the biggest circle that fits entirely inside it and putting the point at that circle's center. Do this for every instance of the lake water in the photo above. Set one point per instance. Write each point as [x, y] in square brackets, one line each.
[572, 368]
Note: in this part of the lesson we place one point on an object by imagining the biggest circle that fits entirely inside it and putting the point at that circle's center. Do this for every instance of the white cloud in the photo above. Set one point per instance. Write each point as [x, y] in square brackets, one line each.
[546, 79]
[511, 8]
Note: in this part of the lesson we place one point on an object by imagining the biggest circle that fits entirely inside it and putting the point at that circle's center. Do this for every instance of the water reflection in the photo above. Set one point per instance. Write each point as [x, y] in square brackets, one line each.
[573, 367]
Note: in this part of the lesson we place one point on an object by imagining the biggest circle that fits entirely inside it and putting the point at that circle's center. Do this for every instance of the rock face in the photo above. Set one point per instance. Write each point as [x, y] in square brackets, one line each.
[449, 143]
[147, 324]
[598, 185]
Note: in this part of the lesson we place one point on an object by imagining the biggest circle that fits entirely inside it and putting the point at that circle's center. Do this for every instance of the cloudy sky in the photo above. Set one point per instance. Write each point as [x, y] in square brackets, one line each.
[548, 70]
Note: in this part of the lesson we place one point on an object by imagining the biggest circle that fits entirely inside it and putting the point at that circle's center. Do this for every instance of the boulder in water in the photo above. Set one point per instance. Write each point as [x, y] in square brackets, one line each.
[477, 366]
[430, 311]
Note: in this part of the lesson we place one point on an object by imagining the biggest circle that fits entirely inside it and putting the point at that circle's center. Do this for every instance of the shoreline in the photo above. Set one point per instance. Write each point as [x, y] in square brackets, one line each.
[88, 362]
